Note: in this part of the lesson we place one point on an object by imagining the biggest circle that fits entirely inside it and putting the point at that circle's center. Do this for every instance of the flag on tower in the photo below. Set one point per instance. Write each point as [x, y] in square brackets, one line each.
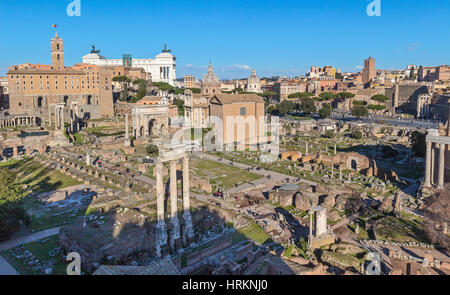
[54, 26]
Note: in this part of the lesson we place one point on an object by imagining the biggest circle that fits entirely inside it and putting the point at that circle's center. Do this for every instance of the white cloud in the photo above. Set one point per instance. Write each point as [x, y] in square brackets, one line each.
[413, 46]
[359, 67]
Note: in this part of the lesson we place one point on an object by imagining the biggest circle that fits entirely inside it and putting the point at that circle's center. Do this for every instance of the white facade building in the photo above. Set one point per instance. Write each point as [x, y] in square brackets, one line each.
[162, 68]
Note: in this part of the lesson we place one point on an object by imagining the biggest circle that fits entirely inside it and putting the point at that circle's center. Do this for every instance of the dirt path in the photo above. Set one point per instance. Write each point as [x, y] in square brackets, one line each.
[28, 239]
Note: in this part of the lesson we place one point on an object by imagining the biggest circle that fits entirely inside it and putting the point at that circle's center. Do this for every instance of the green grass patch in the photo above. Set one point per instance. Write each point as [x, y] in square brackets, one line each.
[40, 250]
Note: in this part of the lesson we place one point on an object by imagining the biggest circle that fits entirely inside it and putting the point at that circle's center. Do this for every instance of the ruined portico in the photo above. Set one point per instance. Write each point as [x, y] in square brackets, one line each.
[436, 150]
[170, 237]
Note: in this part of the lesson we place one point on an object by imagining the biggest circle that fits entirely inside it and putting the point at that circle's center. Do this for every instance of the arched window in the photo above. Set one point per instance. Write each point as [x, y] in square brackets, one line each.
[89, 99]
[39, 102]
[66, 98]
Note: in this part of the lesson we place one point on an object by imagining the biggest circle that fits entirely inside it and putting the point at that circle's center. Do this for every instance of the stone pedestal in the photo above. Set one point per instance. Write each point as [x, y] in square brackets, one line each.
[174, 234]
[161, 239]
[188, 229]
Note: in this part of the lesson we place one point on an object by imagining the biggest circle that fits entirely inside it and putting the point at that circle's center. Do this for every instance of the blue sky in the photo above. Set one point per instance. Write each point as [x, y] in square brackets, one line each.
[281, 37]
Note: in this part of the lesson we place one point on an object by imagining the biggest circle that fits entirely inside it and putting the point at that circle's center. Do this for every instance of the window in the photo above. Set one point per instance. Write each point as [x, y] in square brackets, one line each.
[243, 111]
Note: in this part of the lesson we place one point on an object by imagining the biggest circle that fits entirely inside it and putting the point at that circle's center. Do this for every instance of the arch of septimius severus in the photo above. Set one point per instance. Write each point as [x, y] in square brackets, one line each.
[150, 120]
[174, 235]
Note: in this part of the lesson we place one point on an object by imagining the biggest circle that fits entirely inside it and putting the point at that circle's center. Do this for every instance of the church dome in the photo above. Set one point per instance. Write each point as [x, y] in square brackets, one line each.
[210, 77]
[253, 79]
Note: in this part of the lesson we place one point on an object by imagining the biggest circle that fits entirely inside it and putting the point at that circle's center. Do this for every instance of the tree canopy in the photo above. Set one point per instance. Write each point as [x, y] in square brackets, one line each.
[12, 212]
[376, 107]
[379, 98]
[327, 95]
[300, 95]
[345, 95]
[163, 86]
[360, 111]
[307, 106]
[285, 106]
[325, 111]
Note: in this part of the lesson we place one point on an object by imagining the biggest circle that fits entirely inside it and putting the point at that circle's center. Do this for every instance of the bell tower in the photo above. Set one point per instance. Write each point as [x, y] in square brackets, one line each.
[57, 53]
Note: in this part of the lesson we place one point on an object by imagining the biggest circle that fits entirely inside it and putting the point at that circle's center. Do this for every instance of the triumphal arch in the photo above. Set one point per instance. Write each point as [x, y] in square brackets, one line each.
[150, 120]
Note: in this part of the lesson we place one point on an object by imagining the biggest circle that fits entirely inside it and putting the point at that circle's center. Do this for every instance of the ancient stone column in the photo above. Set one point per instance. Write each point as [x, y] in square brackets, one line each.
[335, 150]
[161, 230]
[433, 159]
[174, 240]
[15, 151]
[188, 232]
[441, 165]
[321, 223]
[49, 116]
[427, 182]
[307, 148]
[311, 216]
[57, 118]
[62, 118]
[127, 136]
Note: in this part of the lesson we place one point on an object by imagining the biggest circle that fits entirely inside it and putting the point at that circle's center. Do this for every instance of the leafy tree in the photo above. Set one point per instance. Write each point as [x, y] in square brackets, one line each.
[345, 95]
[195, 90]
[327, 95]
[418, 143]
[359, 103]
[269, 94]
[325, 111]
[179, 91]
[339, 76]
[124, 81]
[12, 212]
[152, 149]
[360, 111]
[307, 106]
[180, 104]
[329, 134]
[356, 134]
[379, 98]
[142, 91]
[163, 86]
[354, 203]
[301, 95]
[272, 110]
[125, 95]
[285, 107]
[376, 107]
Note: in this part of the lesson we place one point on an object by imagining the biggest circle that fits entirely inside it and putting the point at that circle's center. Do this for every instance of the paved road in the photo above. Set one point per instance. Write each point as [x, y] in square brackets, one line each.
[6, 269]
[28, 239]
[391, 121]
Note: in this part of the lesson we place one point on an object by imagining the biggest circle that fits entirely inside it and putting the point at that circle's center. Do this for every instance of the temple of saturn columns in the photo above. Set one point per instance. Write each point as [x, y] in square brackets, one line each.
[170, 237]
[437, 148]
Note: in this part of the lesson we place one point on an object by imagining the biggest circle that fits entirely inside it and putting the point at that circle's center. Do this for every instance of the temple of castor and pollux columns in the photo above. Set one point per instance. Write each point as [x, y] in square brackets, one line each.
[174, 235]
[437, 159]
